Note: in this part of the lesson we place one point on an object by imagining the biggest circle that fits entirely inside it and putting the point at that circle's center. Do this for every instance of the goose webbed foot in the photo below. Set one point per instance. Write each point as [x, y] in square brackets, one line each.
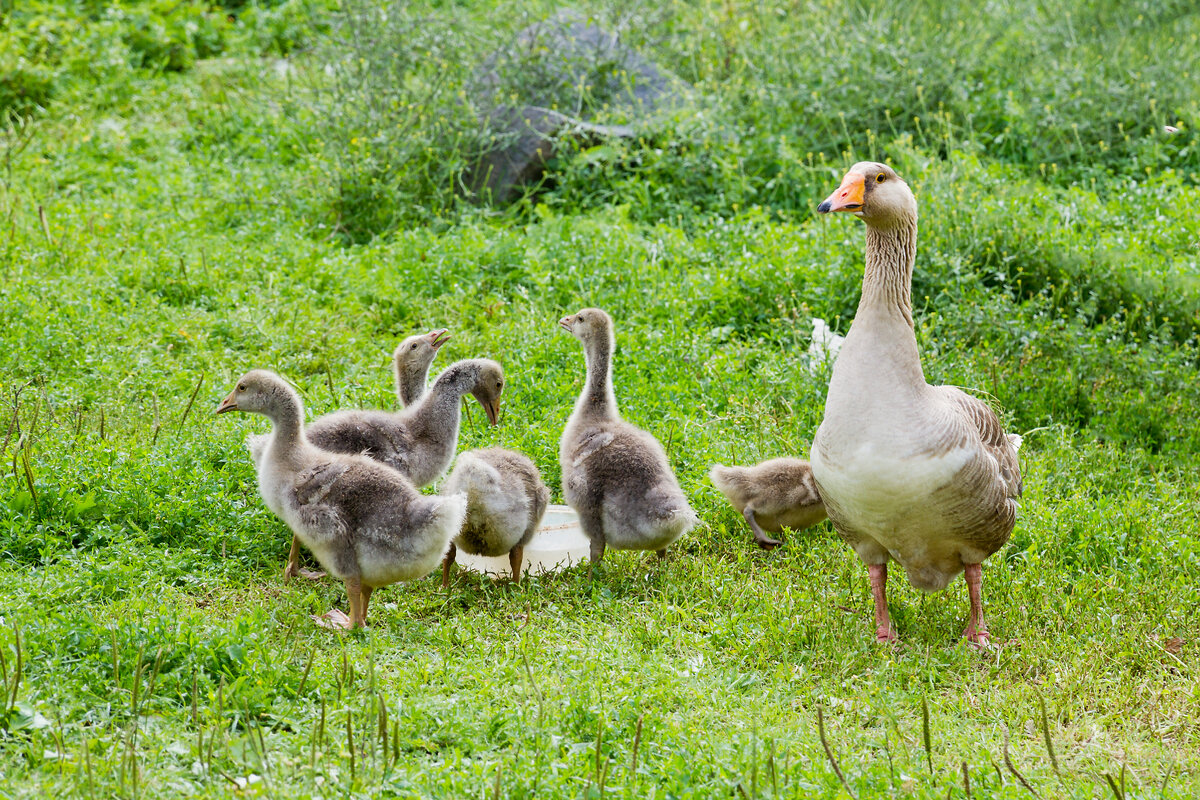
[977, 637]
[885, 635]
[884, 632]
[760, 537]
[311, 574]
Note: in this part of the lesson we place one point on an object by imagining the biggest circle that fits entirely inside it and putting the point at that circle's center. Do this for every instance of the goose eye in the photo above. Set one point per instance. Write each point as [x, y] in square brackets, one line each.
[241, 387]
[880, 178]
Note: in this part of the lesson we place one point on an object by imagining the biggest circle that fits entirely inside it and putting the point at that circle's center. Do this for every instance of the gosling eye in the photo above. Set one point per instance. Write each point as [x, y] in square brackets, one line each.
[880, 178]
[241, 387]
[412, 347]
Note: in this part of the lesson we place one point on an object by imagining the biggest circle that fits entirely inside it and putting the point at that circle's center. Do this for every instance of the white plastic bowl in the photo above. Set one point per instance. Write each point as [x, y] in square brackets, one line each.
[556, 544]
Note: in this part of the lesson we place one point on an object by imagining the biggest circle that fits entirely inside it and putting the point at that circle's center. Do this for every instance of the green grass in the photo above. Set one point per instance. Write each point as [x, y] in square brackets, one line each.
[194, 228]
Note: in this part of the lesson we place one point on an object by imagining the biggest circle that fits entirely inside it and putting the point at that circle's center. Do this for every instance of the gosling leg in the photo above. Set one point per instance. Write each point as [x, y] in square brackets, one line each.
[595, 555]
[515, 556]
[292, 569]
[354, 595]
[448, 562]
[366, 600]
[764, 541]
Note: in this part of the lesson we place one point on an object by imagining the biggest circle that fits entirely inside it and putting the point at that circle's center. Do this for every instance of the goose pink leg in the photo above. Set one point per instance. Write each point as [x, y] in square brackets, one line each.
[883, 622]
[976, 632]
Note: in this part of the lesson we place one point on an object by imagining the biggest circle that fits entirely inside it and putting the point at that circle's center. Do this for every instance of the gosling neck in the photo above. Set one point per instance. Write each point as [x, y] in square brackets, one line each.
[287, 425]
[443, 401]
[410, 383]
[887, 281]
[598, 399]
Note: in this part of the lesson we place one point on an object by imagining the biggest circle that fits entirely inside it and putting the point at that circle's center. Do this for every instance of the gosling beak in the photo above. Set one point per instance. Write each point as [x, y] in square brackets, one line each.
[228, 404]
[847, 197]
[564, 324]
[438, 337]
[492, 409]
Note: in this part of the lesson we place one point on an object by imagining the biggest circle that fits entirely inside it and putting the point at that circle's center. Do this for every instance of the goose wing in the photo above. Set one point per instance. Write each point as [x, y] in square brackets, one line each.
[995, 441]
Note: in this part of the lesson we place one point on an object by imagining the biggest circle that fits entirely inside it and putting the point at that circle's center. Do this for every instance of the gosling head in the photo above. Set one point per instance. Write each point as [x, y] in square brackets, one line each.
[258, 391]
[417, 352]
[413, 357]
[590, 326]
[874, 193]
[489, 385]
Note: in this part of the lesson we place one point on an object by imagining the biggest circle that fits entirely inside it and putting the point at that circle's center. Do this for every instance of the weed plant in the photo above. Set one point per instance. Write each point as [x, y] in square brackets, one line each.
[164, 230]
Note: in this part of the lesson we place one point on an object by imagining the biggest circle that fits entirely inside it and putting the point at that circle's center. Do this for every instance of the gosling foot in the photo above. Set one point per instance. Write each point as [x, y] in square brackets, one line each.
[766, 542]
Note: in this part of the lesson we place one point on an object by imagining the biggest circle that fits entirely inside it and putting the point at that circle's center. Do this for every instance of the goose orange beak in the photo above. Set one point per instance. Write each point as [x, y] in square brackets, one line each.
[228, 404]
[438, 337]
[847, 197]
[564, 324]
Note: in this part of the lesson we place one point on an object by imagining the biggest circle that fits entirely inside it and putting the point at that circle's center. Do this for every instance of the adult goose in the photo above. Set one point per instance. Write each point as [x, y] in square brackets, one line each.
[364, 522]
[923, 475]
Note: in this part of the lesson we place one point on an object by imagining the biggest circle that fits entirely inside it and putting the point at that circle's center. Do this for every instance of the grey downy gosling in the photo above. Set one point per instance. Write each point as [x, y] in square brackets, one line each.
[775, 494]
[505, 503]
[410, 368]
[922, 475]
[615, 475]
[366, 524]
[418, 442]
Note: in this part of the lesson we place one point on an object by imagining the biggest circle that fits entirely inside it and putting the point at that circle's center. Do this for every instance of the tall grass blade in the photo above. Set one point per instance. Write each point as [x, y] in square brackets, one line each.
[829, 753]
[1011, 768]
[925, 737]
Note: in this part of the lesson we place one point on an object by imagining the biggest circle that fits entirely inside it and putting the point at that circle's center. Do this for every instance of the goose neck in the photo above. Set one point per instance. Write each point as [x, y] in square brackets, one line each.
[887, 280]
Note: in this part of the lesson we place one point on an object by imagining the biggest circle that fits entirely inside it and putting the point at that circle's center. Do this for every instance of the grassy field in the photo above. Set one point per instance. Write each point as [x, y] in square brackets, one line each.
[192, 191]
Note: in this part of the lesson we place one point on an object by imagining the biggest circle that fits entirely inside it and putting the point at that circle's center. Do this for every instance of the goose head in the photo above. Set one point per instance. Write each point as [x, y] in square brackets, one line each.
[489, 385]
[590, 326]
[874, 193]
[260, 392]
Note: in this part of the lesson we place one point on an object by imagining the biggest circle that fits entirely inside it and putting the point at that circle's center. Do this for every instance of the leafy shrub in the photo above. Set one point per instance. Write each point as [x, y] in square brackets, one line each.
[24, 87]
[395, 126]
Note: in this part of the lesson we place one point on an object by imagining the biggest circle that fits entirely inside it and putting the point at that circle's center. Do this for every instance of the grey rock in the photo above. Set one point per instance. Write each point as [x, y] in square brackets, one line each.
[562, 61]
